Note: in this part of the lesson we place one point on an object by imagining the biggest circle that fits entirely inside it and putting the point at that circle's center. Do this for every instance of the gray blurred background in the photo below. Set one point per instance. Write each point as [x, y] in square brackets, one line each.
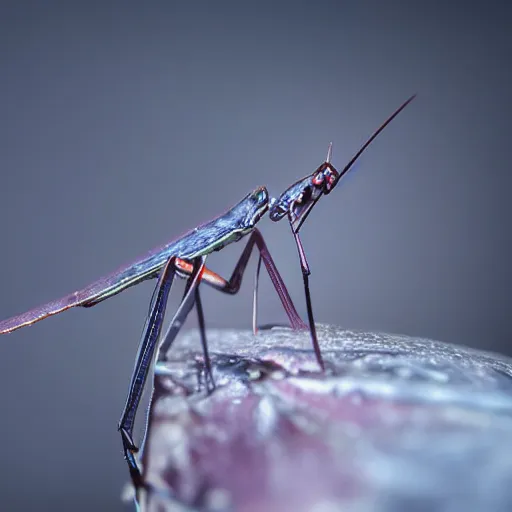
[123, 126]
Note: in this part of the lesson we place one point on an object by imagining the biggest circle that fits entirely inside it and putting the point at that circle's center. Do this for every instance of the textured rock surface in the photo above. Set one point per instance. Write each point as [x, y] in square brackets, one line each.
[395, 424]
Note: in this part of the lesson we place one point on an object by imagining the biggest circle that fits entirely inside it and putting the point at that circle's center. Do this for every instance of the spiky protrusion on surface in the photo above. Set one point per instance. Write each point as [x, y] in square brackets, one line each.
[395, 424]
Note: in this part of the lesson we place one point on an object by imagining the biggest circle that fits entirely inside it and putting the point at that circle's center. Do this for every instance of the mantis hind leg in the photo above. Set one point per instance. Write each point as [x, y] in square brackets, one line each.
[149, 342]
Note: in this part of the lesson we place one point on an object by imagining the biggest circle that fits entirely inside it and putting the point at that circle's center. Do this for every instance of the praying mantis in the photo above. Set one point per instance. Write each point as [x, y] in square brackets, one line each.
[186, 257]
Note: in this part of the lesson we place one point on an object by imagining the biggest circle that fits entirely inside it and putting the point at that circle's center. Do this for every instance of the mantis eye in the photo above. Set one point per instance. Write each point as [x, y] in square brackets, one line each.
[330, 179]
[318, 179]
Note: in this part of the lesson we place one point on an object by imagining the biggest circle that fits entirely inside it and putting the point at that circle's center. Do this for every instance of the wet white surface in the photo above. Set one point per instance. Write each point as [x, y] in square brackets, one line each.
[395, 424]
